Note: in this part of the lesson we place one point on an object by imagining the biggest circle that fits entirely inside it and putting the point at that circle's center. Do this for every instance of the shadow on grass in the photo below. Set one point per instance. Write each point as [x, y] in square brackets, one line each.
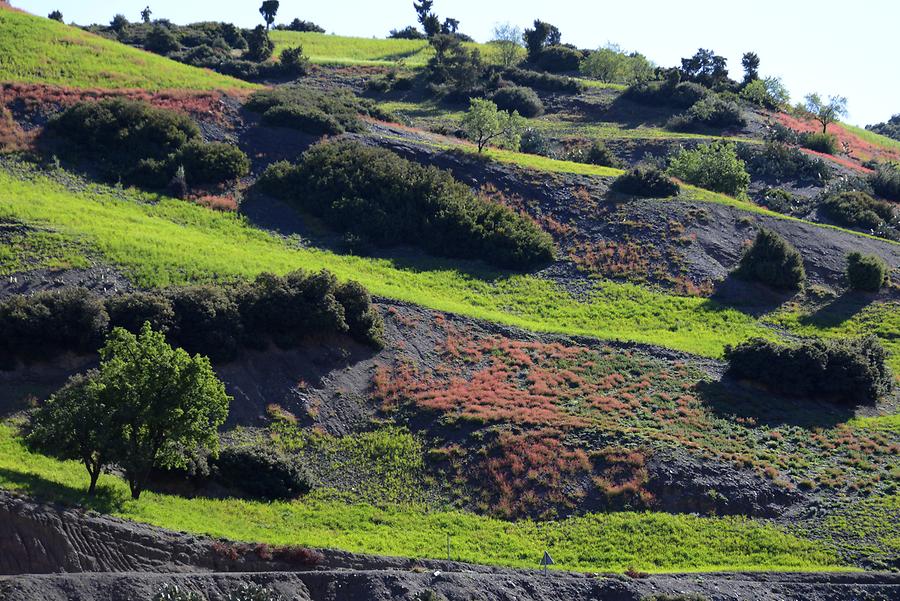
[750, 298]
[106, 499]
[838, 311]
[730, 399]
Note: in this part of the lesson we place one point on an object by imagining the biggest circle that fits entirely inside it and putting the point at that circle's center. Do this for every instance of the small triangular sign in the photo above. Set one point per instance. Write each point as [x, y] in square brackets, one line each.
[546, 560]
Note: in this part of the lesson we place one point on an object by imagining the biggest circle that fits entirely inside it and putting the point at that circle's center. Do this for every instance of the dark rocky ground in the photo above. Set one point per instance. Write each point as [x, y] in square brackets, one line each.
[49, 553]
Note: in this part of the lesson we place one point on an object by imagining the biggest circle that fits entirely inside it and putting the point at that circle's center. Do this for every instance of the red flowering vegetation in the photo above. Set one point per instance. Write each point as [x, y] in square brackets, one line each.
[290, 554]
[613, 259]
[407, 321]
[32, 99]
[859, 149]
[224, 202]
[622, 477]
[12, 137]
[531, 473]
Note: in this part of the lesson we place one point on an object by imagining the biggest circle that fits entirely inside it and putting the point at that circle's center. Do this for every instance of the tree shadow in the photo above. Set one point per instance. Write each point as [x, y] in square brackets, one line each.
[105, 500]
[838, 311]
[730, 399]
[750, 298]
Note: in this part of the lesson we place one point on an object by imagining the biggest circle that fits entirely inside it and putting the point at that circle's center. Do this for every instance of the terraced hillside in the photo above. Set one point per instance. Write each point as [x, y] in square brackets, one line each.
[584, 404]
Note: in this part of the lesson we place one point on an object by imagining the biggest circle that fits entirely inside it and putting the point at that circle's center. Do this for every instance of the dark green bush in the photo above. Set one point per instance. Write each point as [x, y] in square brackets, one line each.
[379, 196]
[261, 472]
[293, 63]
[711, 111]
[43, 325]
[144, 145]
[535, 142]
[207, 321]
[303, 117]
[542, 81]
[559, 59]
[820, 142]
[599, 154]
[852, 371]
[778, 200]
[647, 181]
[131, 310]
[161, 40]
[662, 93]
[714, 166]
[782, 162]
[886, 181]
[866, 272]
[857, 209]
[772, 261]
[518, 98]
[313, 111]
[212, 162]
[362, 318]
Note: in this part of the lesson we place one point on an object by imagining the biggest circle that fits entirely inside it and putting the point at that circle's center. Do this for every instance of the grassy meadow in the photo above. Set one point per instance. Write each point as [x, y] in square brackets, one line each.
[38, 50]
[653, 542]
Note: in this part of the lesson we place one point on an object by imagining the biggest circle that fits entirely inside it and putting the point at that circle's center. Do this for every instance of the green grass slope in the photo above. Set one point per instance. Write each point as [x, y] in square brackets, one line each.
[38, 50]
[608, 542]
[159, 241]
[328, 49]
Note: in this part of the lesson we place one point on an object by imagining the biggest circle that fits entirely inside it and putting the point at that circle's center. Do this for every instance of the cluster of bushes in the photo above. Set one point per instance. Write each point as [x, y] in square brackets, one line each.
[595, 153]
[559, 59]
[221, 47]
[781, 162]
[889, 128]
[313, 111]
[301, 26]
[867, 273]
[711, 111]
[610, 64]
[212, 320]
[647, 181]
[851, 371]
[546, 82]
[714, 166]
[138, 143]
[519, 98]
[857, 209]
[261, 472]
[820, 142]
[768, 93]
[387, 200]
[772, 261]
[667, 93]
[886, 181]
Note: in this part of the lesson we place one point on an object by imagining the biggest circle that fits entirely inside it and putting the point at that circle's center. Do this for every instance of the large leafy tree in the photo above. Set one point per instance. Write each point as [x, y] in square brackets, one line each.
[542, 35]
[484, 123]
[268, 10]
[78, 422]
[168, 403]
[148, 405]
[826, 112]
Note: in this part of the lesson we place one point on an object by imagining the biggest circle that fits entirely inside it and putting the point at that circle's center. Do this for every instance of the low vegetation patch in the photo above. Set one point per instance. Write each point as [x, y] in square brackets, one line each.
[647, 181]
[853, 371]
[313, 111]
[376, 194]
[858, 209]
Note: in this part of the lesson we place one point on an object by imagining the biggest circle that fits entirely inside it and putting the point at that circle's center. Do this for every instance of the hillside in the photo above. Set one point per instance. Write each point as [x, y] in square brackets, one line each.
[652, 328]
[36, 50]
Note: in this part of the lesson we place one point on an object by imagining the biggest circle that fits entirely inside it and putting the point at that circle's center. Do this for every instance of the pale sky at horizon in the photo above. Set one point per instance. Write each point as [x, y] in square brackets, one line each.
[859, 61]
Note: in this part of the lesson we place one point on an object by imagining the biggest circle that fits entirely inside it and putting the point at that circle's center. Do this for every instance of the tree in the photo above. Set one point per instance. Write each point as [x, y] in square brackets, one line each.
[259, 46]
[168, 405]
[429, 21]
[826, 112]
[56, 16]
[608, 64]
[484, 122]
[705, 67]
[508, 40]
[77, 422]
[268, 11]
[543, 35]
[118, 23]
[750, 62]
[145, 14]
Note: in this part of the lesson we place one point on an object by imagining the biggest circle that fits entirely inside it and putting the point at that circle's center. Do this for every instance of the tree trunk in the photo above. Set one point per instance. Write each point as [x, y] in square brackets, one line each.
[92, 488]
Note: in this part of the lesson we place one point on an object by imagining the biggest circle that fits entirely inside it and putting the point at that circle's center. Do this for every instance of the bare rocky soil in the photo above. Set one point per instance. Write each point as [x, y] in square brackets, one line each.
[52, 553]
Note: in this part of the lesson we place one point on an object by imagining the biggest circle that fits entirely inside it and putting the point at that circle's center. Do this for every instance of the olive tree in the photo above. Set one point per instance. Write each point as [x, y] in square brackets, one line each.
[484, 122]
[826, 112]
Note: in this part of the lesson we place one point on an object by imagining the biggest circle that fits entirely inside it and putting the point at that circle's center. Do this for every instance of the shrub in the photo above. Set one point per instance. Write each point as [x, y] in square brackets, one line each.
[771, 260]
[207, 321]
[889, 128]
[886, 181]
[711, 111]
[161, 40]
[849, 371]
[778, 200]
[254, 592]
[313, 111]
[305, 118]
[362, 318]
[542, 81]
[171, 592]
[857, 209]
[377, 195]
[645, 180]
[826, 143]
[293, 63]
[557, 59]
[782, 162]
[599, 154]
[521, 99]
[261, 472]
[866, 272]
[682, 95]
[212, 162]
[45, 324]
[535, 142]
[713, 166]
[131, 310]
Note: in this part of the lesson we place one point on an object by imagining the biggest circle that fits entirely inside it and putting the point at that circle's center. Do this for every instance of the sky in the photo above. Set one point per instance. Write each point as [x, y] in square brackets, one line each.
[830, 47]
